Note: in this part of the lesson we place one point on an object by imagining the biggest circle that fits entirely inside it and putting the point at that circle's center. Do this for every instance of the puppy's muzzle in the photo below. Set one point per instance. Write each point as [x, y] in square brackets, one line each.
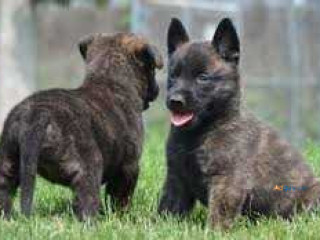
[176, 102]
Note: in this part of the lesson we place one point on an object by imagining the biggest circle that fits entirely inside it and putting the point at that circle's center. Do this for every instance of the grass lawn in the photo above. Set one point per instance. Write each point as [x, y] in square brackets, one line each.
[53, 219]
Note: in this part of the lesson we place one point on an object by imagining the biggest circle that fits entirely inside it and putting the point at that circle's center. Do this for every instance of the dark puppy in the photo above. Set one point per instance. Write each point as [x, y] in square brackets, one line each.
[85, 137]
[218, 152]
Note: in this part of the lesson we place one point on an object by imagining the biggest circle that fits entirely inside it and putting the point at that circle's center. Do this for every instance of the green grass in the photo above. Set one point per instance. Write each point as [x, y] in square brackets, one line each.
[53, 218]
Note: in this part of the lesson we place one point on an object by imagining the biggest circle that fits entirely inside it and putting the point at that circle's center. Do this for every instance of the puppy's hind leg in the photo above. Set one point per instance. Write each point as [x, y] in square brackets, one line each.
[30, 146]
[310, 195]
[9, 180]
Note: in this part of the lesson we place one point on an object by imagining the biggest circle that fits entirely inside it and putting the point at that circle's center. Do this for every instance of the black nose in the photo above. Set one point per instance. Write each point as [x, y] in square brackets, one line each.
[176, 102]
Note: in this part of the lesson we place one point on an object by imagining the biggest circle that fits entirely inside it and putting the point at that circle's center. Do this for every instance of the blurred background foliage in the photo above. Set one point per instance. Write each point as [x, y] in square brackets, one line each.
[280, 46]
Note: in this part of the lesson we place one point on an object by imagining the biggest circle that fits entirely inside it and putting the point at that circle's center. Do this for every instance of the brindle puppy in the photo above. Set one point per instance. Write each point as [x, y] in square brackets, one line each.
[85, 137]
[217, 151]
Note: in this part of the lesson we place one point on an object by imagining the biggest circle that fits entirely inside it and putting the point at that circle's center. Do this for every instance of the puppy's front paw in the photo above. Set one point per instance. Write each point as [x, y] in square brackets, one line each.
[172, 206]
[221, 225]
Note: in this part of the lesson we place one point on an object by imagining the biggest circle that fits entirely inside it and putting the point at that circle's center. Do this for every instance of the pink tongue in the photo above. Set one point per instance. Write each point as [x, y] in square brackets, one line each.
[180, 119]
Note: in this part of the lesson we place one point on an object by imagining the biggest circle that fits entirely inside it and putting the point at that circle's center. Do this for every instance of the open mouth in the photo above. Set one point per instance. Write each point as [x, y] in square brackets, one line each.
[179, 119]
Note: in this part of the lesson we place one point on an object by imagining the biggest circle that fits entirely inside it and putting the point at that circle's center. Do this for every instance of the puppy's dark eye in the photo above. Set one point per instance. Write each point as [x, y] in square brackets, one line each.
[203, 78]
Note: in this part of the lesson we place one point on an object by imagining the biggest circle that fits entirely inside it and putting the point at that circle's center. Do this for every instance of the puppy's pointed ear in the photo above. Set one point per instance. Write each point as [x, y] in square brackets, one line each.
[177, 35]
[83, 45]
[226, 41]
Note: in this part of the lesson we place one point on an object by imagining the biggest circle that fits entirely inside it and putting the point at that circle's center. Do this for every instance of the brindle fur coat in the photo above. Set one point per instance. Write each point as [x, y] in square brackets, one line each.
[85, 137]
[218, 152]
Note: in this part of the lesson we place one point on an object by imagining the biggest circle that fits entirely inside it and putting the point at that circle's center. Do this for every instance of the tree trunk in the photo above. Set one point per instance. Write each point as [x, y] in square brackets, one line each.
[17, 55]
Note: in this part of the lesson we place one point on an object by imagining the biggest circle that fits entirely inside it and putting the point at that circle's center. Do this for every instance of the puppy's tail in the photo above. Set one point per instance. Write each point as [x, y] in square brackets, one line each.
[30, 145]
